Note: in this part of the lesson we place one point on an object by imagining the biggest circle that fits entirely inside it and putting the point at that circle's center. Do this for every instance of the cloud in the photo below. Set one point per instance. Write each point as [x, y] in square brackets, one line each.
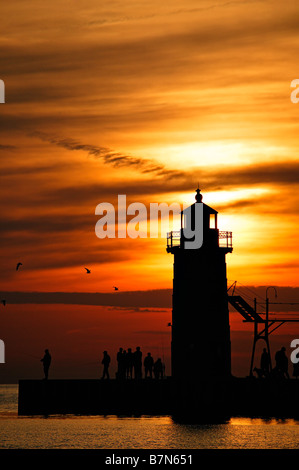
[138, 310]
[21, 170]
[111, 157]
[212, 179]
[151, 332]
[136, 299]
[168, 13]
[287, 300]
[284, 172]
[7, 147]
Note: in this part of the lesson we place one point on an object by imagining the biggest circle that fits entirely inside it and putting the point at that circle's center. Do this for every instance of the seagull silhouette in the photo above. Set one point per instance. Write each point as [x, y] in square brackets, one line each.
[88, 271]
[115, 288]
[18, 265]
[4, 302]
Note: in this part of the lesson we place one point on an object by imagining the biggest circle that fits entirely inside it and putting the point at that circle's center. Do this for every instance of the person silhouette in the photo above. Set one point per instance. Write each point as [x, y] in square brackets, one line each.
[265, 363]
[158, 369]
[282, 363]
[120, 363]
[137, 363]
[106, 362]
[124, 364]
[148, 365]
[129, 364]
[46, 360]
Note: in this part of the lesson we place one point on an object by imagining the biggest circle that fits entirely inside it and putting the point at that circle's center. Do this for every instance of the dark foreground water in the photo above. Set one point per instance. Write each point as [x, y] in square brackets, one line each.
[111, 432]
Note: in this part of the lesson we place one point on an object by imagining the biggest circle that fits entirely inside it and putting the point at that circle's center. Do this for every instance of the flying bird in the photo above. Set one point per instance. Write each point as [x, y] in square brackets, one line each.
[115, 288]
[18, 265]
[88, 271]
[4, 302]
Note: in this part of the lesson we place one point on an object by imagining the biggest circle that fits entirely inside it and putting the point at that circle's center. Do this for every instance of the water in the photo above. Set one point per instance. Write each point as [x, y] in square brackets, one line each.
[111, 432]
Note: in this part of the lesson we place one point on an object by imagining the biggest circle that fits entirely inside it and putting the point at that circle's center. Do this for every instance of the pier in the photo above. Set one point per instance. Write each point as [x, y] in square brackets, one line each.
[129, 397]
[204, 401]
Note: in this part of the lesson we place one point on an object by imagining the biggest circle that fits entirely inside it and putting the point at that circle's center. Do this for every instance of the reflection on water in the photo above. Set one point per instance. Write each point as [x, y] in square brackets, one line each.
[262, 421]
[146, 432]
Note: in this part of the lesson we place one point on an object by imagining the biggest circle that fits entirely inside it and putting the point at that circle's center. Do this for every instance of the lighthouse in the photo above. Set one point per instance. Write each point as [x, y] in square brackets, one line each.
[200, 347]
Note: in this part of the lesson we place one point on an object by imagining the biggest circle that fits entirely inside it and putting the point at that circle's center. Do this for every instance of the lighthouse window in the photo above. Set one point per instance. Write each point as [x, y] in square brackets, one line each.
[212, 221]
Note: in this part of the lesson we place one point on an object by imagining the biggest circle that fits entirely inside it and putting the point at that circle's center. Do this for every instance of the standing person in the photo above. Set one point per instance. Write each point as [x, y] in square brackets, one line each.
[106, 362]
[158, 369]
[138, 363]
[129, 365]
[265, 363]
[124, 364]
[46, 363]
[282, 363]
[148, 365]
[120, 363]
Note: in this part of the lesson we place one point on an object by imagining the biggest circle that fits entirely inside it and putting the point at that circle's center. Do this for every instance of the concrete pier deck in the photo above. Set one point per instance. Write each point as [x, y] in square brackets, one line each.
[194, 401]
[130, 397]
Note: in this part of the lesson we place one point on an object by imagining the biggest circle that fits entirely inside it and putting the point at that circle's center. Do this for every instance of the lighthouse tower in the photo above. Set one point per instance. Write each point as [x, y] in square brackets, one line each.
[200, 318]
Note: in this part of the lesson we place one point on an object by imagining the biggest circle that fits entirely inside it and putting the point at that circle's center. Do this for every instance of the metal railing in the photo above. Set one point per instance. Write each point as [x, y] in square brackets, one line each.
[173, 239]
[225, 239]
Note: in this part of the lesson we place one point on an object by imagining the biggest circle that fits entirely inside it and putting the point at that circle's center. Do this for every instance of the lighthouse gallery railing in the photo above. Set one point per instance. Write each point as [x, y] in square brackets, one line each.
[225, 239]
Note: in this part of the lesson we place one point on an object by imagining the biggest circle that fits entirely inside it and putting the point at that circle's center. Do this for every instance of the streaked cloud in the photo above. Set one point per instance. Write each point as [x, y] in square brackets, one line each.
[111, 157]
[155, 301]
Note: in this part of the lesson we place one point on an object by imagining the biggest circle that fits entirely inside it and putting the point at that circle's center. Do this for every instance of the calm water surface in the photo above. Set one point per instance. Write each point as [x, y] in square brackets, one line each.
[111, 432]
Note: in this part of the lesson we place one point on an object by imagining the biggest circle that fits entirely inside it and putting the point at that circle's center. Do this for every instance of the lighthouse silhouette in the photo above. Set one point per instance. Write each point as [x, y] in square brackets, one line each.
[200, 347]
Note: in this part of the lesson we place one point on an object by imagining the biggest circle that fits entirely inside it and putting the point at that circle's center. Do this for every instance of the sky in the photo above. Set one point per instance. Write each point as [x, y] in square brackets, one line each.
[148, 100]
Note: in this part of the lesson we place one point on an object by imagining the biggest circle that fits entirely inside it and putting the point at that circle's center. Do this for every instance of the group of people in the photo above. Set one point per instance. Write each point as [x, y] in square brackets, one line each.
[281, 369]
[129, 364]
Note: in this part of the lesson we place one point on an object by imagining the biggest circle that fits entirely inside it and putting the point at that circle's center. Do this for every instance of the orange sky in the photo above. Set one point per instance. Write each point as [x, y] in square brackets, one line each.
[145, 99]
